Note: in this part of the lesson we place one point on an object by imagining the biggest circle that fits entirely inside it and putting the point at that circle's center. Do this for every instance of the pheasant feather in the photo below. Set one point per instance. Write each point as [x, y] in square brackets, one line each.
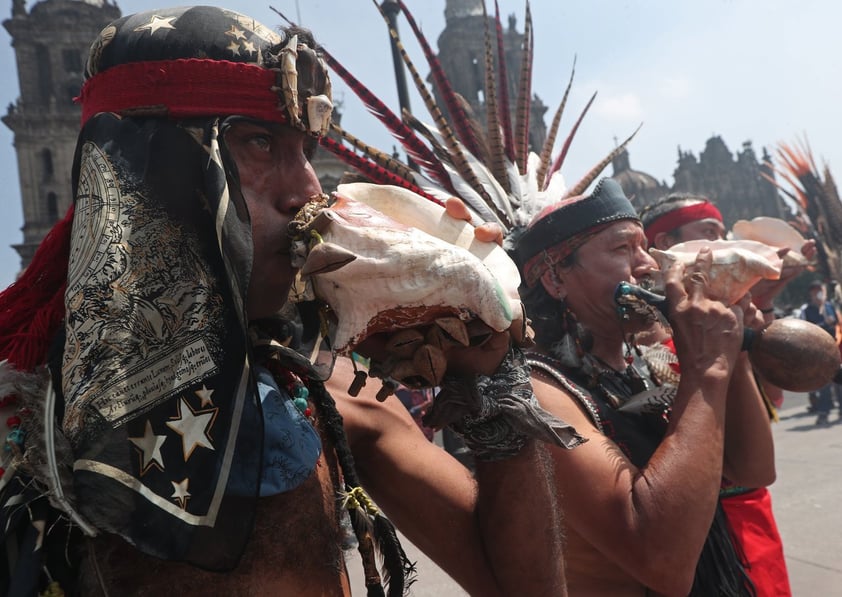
[458, 116]
[817, 199]
[500, 211]
[566, 147]
[495, 135]
[483, 152]
[460, 161]
[503, 87]
[475, 202]
[588, 178]
[549, 142]
[414, 147]
[524, 100]
[372, 171]
[381, 158]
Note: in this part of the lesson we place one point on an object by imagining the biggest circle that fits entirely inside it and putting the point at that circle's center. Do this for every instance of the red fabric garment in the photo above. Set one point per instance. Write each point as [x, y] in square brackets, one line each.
[754, 528]
[753, 524]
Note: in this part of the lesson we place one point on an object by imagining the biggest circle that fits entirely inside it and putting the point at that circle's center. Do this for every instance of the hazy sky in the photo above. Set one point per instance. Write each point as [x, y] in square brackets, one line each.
[765, 71]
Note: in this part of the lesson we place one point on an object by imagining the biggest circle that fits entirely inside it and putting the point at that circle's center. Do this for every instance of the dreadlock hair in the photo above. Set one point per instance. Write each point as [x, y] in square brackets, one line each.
[374, 531]
[296, 326]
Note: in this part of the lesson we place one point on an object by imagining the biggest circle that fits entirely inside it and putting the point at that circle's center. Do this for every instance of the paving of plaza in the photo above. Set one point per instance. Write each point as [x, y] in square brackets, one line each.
[806, 499]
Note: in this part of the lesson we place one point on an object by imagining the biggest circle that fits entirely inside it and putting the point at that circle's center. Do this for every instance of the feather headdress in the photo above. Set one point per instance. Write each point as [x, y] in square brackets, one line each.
[818, 208]
[489, 164]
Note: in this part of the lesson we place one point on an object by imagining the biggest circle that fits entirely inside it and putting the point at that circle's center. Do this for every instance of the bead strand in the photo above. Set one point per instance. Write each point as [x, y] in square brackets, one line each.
[14, 439]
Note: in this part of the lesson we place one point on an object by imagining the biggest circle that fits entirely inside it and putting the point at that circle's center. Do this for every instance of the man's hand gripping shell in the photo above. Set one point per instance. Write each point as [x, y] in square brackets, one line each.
[463, 348]
[412, 285]
[432, 301]
[708, 334]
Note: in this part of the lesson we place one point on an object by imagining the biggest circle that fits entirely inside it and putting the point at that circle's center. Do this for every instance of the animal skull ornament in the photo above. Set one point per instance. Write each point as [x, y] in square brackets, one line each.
[388, 261]
[737, 264]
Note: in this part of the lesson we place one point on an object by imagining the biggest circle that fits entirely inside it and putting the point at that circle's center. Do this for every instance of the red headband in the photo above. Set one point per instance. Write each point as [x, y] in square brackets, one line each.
[679, 217]
[184, 88]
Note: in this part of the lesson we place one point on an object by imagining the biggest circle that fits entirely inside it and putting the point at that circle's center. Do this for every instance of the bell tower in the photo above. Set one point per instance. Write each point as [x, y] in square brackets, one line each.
[462, 55]
[462, 8]
[51, 43]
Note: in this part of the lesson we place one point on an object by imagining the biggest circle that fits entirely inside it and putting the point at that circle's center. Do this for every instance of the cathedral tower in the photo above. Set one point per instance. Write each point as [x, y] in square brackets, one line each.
[51, 43]
[462, 56]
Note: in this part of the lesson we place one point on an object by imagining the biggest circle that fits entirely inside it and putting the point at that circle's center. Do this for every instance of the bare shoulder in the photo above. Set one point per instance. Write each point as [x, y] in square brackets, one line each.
[599, 462]
[561, 402]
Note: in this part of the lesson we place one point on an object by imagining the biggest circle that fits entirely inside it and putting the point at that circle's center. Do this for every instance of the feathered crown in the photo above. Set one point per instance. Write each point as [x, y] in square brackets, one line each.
[818, 209]
[490, 167]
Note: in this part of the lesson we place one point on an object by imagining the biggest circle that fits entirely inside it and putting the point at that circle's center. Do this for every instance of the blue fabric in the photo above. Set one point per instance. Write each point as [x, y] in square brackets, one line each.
[291, 446]
[825, 319]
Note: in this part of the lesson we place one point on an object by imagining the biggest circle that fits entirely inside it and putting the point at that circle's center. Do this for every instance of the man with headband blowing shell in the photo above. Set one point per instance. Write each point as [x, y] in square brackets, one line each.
[640, 498]
[187, 448]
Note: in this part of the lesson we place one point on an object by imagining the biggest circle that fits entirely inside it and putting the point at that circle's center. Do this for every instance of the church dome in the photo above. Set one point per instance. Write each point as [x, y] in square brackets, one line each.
[641, 188]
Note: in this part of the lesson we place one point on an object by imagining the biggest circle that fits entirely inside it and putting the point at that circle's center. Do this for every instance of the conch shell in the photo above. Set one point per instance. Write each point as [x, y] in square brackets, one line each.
[773, 232]
[388, 259]
[737, 264]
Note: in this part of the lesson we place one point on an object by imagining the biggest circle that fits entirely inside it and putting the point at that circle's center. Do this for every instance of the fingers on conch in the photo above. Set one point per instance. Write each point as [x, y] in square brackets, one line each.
[697, 276]
[673, 276]
[455, 208]
[744, 302]
[704, 259]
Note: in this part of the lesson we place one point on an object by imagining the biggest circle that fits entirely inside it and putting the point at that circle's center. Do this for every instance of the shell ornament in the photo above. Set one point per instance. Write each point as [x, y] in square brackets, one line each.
[388, 261]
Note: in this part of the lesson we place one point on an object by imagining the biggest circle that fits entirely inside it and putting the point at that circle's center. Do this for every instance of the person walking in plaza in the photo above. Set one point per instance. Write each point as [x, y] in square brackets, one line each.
[820, 311]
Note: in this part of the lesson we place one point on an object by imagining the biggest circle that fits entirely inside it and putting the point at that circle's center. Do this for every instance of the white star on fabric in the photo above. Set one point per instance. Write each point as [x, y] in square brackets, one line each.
[150, 448]
[234, 48]
[236, 33]
[248, 47]
[205, 396]
[180, 493]
[193, 427]
[156, 23]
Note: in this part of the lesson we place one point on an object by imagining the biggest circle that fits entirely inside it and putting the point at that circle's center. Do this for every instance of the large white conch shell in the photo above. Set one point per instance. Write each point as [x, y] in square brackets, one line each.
[773, 232]
[737, 264]
[391, 259]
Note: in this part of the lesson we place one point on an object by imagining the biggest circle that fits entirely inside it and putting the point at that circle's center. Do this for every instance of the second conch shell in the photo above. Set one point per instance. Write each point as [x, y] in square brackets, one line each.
[388, 259]
[773, 232]
[737, 265]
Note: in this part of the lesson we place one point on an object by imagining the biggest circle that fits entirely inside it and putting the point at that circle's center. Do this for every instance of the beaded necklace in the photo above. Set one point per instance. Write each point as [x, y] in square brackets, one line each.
[294, 386]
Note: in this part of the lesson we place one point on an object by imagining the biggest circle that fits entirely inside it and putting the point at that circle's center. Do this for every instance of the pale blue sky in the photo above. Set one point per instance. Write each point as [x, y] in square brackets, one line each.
[765, 71]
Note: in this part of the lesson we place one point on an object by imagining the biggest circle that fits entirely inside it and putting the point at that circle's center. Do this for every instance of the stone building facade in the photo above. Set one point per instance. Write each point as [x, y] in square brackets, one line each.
[734, 182]
[51, 43]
